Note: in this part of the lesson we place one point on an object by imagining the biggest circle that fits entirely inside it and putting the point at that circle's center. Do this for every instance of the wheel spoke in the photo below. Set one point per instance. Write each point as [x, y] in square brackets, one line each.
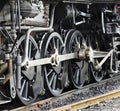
[77, 76]
[50, 72]
[51, 46]
[54, 44]
[54, 82]
[22, 87]
[26, 90]
[75, 39]
[58, 45]
[30, 48]
[51, 79]
[59, 82]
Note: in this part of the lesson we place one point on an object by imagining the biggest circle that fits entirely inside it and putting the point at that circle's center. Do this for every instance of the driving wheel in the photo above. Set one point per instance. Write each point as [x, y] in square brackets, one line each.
[94, 44]
[54, 73]
[78, 69]
[27, 90]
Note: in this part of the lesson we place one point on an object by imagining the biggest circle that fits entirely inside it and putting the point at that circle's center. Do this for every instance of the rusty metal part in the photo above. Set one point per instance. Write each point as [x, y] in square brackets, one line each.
[82, 54]
[3, 68]
[6, 78]
[33, 107]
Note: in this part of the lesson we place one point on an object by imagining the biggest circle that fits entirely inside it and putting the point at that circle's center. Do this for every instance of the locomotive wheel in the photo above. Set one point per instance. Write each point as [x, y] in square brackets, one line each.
[54, 74]
[78, 69]
[98, 75]
[28, 92]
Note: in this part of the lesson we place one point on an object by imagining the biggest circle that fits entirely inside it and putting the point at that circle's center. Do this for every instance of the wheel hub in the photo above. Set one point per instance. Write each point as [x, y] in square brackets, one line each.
[82, 53]
[55, 59]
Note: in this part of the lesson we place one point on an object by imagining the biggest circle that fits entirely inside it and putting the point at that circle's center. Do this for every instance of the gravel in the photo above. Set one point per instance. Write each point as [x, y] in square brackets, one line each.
[107, 105]
[86, 93]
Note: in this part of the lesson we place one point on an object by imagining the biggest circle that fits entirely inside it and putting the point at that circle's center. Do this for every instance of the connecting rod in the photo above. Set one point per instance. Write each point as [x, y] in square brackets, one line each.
[55, 59]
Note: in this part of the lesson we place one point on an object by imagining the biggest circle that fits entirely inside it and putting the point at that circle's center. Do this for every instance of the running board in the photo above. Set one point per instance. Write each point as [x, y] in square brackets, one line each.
[4, 99]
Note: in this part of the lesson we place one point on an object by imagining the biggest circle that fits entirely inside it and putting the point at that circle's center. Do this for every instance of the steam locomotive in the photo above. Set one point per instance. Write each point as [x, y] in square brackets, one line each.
[47, 45]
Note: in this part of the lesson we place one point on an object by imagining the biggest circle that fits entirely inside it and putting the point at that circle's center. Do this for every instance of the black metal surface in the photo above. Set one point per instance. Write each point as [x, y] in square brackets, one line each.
[2, 3]
[4, 99]
[90, 1]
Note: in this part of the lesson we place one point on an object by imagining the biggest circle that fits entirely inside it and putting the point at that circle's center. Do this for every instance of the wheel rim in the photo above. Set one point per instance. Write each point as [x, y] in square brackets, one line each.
[97, 74]
[54, 73]
[28, 92]
[78, 69]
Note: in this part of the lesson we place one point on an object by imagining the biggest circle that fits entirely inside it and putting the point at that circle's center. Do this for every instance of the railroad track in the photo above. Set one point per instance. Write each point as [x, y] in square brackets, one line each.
[78, 99]
[89, 102]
